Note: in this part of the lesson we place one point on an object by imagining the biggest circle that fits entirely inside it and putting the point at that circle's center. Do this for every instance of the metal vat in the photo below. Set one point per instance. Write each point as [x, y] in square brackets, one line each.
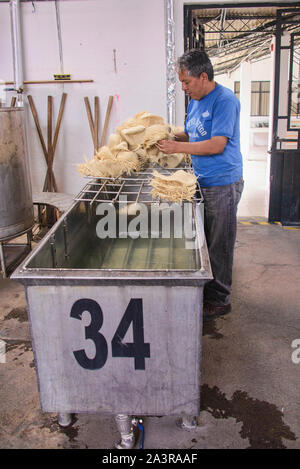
[116, 323]
[16, 206]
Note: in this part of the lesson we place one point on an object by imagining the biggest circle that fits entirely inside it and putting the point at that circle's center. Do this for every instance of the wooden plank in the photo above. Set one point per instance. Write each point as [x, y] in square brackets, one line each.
[42, 82]
[13, 101]
[90, 118]
[37, 124]
[60, 114]
[96, 122]
[48, 181]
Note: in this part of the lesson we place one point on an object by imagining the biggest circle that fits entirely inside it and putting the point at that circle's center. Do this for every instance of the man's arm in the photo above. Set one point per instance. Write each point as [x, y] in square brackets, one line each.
[213, 146]
[181, 137]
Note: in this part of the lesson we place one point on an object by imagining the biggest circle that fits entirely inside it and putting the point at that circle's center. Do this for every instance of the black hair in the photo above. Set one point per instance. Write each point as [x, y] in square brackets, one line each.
[196, 61]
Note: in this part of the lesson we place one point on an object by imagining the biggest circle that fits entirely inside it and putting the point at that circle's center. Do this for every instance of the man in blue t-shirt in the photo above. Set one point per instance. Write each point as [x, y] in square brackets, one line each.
[212, 137]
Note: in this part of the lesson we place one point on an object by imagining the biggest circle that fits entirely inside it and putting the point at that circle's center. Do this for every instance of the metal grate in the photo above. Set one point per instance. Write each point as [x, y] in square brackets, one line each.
[136, 188]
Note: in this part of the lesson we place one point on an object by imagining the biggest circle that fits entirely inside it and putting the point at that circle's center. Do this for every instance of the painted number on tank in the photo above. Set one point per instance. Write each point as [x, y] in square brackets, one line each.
[91, 332]
[138, 349]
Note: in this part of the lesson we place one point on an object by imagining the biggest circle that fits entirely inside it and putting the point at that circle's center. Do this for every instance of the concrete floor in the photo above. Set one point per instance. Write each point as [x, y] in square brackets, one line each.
[250, 385]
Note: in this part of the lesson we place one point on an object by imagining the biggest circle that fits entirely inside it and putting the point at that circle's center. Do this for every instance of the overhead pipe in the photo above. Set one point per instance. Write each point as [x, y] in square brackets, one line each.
[170, 65]
[15, 17]
[59, 37]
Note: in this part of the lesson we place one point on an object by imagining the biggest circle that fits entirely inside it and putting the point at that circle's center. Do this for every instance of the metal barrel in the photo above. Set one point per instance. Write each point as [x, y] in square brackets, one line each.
[16, 206]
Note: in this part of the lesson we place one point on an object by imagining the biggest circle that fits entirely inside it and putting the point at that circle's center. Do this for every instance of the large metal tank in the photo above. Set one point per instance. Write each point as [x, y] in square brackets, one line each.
[16, 206]
[138, 301]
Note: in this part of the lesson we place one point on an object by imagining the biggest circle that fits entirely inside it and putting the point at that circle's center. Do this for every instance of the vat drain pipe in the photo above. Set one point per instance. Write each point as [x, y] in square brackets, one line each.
[125, 426]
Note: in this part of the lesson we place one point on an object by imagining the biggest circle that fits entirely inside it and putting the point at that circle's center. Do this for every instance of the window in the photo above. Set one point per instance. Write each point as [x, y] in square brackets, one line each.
[237, 89]
[260, 96]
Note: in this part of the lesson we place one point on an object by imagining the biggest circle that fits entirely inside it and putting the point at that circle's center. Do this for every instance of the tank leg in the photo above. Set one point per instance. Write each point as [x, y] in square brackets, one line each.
[187, 422]
[29, 239]
[125, 427]
[64, 420]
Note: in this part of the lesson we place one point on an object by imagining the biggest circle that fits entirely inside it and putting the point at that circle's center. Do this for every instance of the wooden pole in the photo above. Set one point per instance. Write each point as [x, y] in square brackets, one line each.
[96, 122]
[60, 114]
[48, 186]
[90, 118]
[42, 82]
[37, 124]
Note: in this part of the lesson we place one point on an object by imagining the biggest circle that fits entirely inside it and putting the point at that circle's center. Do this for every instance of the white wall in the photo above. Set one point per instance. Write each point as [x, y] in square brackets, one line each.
[247, 72]
[91, 29]
[260, 71]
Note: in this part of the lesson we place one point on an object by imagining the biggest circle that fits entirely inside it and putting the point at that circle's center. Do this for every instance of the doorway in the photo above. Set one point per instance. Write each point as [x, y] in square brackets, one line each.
[243, 46]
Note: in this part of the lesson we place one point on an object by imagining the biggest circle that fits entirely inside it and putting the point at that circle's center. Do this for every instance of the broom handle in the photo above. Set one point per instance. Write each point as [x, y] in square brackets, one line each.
[89, 113]
[108, 111]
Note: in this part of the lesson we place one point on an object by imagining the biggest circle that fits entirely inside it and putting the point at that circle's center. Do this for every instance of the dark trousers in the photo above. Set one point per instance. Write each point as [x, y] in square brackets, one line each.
[220, 224]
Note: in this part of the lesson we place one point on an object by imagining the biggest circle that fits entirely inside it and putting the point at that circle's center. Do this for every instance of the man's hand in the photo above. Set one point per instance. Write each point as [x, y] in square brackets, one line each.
[168, 146]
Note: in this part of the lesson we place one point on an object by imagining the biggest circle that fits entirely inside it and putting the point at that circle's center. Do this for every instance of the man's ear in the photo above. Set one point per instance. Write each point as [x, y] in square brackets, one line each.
[204, 76]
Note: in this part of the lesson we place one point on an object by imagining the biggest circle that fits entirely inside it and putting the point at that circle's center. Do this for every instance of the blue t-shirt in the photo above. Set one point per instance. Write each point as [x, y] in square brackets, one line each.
[217, 114]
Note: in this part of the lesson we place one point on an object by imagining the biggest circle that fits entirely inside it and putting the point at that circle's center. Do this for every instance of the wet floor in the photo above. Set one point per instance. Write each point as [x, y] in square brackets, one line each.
[249, 381]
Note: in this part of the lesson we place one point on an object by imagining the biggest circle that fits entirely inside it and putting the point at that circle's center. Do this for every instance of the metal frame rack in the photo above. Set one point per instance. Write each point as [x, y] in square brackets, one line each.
[109, 190]
[119, 300]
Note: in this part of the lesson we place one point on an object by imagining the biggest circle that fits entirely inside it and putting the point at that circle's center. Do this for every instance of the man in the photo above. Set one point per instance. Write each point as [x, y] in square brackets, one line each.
[212, 137]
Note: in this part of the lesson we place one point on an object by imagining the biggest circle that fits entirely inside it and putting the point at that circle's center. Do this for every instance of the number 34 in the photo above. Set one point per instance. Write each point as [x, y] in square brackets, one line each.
[138, 349]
